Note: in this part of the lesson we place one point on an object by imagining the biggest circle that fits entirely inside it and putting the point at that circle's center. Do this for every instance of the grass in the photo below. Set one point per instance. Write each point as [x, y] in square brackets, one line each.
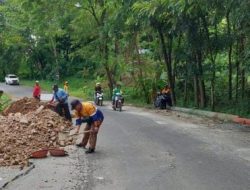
[4, 102]
[79, 88]
[84, 89]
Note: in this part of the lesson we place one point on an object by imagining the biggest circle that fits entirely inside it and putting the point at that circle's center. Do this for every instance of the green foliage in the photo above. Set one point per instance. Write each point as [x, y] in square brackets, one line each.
[200, 48]
[4, 102]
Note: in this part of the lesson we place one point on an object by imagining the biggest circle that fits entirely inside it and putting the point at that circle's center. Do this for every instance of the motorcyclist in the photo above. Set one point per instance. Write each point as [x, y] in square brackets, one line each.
[117, 90]
[98, 88]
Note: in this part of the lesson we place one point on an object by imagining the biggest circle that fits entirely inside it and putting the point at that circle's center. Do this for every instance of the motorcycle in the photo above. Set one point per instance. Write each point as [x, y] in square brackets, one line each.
[163, 101]
[99, 99]
[118, 102]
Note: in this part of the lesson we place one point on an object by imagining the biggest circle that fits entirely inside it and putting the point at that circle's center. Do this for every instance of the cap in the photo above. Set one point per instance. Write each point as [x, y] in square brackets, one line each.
[74, 103]
[37, 81]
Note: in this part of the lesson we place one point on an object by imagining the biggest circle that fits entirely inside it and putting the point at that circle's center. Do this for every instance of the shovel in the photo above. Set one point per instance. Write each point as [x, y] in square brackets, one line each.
[81, 133]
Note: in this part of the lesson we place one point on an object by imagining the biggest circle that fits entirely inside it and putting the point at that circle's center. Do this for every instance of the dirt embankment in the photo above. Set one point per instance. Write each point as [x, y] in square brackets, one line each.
[23, 106]
[25, 128]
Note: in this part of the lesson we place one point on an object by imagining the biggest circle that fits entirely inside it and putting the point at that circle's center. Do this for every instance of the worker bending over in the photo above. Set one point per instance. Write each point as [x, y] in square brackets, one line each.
[87, 112]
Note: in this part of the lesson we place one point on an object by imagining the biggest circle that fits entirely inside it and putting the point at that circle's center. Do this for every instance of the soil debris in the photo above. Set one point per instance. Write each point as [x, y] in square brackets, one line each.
[23, 106]
[24, 132]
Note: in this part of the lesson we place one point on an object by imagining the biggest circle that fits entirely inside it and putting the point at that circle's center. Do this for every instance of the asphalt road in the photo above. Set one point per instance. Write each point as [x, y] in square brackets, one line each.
[144, 150]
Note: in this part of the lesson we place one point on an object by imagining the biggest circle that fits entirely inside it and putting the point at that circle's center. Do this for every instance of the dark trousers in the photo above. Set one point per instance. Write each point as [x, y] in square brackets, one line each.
[63, 110]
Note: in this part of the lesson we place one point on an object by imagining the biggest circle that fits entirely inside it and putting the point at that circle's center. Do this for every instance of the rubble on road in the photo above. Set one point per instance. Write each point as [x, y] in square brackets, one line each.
[24, 106]
[29, 131]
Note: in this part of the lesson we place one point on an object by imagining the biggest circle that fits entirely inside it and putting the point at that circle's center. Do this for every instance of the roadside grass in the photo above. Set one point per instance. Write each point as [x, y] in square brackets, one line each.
[4, 102]
[84, 89]
[77, 88]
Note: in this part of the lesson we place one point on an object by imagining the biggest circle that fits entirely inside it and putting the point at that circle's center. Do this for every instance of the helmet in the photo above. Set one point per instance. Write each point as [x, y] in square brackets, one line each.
[98, 84]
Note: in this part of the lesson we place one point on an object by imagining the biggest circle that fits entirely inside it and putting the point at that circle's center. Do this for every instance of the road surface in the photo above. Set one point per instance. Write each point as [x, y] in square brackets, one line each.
[144, 150]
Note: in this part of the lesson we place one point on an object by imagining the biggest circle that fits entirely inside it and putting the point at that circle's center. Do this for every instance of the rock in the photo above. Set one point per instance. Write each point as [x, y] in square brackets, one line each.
[62, 143]
[24, 131]
[39, 109]
[24, 120]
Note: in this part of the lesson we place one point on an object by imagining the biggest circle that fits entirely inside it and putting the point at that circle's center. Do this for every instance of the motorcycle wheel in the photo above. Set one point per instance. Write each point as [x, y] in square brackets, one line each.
[119, 105]
[114, 107]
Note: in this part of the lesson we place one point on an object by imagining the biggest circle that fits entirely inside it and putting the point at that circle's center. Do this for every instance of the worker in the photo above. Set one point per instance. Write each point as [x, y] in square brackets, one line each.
[87, 112]
[60, 97]
[66, 87]
[37, 91]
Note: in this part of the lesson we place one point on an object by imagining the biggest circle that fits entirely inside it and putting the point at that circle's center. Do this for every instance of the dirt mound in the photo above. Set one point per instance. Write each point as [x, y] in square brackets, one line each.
[22, 134]
[23, 106]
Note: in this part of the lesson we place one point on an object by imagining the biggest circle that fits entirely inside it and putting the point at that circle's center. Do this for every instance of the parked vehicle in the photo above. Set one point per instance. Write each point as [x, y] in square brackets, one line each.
[99, 99]
[118, 102]
[12, 79]
[163, 101]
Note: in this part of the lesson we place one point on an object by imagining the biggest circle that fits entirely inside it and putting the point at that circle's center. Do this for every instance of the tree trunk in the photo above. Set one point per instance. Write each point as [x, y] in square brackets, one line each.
[140, 66]
[53, 44]
[230, 70]
[186, 84]
[167, 59]
[237, 71]
[243, 83]
[196, 96]
[106, 66]
[202, 92]
[212, 95]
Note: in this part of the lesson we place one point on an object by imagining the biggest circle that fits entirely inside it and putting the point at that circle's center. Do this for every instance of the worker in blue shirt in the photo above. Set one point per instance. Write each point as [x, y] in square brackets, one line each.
[60, 97]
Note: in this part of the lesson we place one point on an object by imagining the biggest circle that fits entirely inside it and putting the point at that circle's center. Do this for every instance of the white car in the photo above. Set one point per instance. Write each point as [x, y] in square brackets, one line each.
[11, 79]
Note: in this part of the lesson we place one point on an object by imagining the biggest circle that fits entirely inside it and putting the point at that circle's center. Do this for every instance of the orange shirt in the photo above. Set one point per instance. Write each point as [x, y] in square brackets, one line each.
[165, 90]
[88, 109]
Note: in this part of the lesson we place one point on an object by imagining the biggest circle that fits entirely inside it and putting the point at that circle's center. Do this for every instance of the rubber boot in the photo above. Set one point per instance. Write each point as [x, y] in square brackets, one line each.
[90, 151]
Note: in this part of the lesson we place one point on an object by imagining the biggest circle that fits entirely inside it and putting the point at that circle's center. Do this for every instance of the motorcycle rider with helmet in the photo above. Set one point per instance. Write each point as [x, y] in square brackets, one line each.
[117, 90]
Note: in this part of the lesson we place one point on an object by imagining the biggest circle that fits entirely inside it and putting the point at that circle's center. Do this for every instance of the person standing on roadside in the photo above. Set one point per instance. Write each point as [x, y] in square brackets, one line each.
[37, 91]
[66, 87]
[60, 97]
[87, 112]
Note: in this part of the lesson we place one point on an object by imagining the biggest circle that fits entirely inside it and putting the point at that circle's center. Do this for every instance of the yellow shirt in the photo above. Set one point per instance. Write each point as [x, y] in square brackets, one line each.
[66, 88]
[88, 109]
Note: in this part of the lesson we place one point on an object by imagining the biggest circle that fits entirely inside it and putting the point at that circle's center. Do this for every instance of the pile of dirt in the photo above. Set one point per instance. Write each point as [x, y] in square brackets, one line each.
[23, 106]
[22, 134]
